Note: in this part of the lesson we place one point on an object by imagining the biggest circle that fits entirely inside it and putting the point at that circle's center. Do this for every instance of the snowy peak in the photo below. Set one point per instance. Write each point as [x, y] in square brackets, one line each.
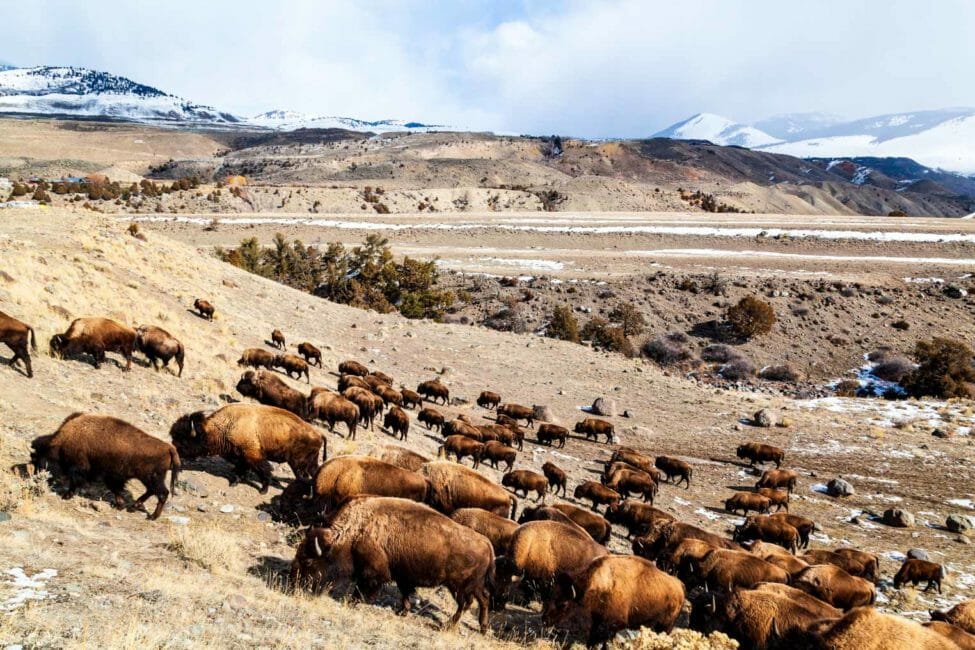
[719, 130]
[292, 120]
[49, 90]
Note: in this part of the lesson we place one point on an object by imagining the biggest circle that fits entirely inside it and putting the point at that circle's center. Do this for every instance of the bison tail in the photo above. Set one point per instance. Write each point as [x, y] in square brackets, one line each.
[33, 339]
[514, 508]
[174, 466]
[179, 359]
[324, 448]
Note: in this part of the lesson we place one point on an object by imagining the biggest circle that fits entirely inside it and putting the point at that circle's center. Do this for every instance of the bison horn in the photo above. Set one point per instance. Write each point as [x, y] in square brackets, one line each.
[318, 549]
[714, 605]
[193, 427]
[573, 590]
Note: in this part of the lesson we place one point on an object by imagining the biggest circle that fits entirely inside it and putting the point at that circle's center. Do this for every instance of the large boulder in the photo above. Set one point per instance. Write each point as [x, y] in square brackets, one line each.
[604, 406]
[898, 518]
[960, 523]
[766, 418]
[839, 488]
[543, 413]
[918, 554]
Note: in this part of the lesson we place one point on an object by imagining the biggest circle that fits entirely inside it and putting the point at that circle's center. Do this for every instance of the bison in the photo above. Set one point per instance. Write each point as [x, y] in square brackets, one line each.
[518, 412]
[434, 390]
[835, 586]
[353, 368]
[557, 478]
[863, 566]
[747, 501]
[548, 433]
[461, 446]
[497, 529]
[729, 569]
[488, 400]
[269, 389]
[256, 358]
[596, 526]
[632, 481]
[277, 340]
[159, 345]
[768, 529]
[204, 308]
[375, 540]
[778, 478]
[675, 470]
[400, 456]
[382, 377]
[333, 408]
[346, 476]
[962, 615]
[87, 447]
[411, 398]
[292, 365]
[431, 418]
[311, 354]
[776, 497]
[958, 636]
[348, 381]
[454, 486]
[665, 534]
[369, 404]
[758, 453]
[248, 436]
[496, 452]
[916, 571]
[527, 481]
[16, 336]
[598, 493]
[636, 517]
[95, 337]
[594, 427]
[398, 422]
[865, 628]
[778, 556]
[635, 459]
[803, 525]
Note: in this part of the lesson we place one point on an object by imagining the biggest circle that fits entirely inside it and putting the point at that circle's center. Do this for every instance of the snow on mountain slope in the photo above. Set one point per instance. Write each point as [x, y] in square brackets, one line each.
[719, 130]
[792, 126]
[79, 91]
[948, 145]
[292, 120]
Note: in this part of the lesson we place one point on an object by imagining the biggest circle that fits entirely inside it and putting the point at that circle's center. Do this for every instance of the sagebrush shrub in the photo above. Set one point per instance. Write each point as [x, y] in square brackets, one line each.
[750, 317]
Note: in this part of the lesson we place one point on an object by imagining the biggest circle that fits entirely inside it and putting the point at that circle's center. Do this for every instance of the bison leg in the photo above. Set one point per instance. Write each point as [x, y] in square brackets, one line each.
[464, 599]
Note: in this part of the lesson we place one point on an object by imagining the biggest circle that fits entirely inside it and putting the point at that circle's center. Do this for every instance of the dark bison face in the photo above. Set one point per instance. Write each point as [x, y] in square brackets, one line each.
[247, 386]
[507, 480]
[614, 513]
[578, 493]
[578, 427]
[740, 452]
[528, 514]
[57, 346]
[309, 568]
[187, 435]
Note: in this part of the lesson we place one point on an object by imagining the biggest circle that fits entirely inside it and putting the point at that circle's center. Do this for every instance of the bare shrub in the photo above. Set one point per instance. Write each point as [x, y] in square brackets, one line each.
[737, 369]
[783, 372]
[944, 369]
[719, 353]
[507, 319]
[750, 317]
[847, 388]
[893, 368]
[666, 351]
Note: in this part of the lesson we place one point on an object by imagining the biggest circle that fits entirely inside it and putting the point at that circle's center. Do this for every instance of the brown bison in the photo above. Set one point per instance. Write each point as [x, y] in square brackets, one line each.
[596, 526]
[778, 478]
[869, 561]
[776, 497]
[431, 418]
[269, 389]
[461, 447]
[462, 427]
[729, 569]
[256, 358]
[916, 571]
[541, 550]
[292, 365]
[962, 615]
[454, 486]
[89, 447]
[434, 390]
[548, 433]
[682, 557]
[675, 470]
[390, 396]
[761, 618]
[598, 493]
[382, 377]
[665, 534]
[353, 368]
[635, 459]
[16, 336]
[517, 412]
[497, 529]
[347, 476]
[398, 422]
[746, 501]
[632, 481]
[767, 529]
[636, 517]
[277, 340]
[852, 565]
[778, 556]
[526, 481]
[204, 308]
[613, 467]
[411, 398]
[311, 354]
[958, 636]
[375, 540]
[557, 478]
[348, 381]
[496, 452]
[159, 345]
[369, 404]
[594, 427]
[835, 586]
[622, 592]
[248, 436]
[400, 456]
[333, 408]
[865, 628]
[488, 400]
[803, 525]
[759, 453]
[95, 337]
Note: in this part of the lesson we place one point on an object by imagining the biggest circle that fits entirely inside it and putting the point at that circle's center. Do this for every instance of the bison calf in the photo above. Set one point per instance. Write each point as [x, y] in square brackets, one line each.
[557, 478]
[311, 354]
[16, 336]
[526, 481]
[204, 308]
[277, 340]
[398, 422]
[159, 345]
[598, 493]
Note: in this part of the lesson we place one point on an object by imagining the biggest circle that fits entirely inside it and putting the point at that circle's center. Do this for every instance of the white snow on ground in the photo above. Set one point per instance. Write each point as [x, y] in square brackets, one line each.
[886, 413]
[715, 252]
[964, 503]
[26, 587]
[707, 514]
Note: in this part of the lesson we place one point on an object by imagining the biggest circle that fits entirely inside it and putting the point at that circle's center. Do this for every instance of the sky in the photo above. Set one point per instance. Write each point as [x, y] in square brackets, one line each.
[615, 68]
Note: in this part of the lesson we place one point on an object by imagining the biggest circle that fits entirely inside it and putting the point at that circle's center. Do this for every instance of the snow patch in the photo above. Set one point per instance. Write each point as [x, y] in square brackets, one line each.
[26, 587]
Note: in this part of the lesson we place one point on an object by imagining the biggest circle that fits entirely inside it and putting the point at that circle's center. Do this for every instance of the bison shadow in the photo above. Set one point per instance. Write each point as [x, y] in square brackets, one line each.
[10, 362]
[198, 315]
[274, 571]
[741, 488]
[216, 466]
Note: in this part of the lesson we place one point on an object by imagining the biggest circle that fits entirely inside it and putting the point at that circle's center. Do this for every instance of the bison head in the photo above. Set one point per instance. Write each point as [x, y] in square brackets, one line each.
[744, 532]
[507, 480]
[247, 386]
[308, 569]
[578, 427]
[188, 435]
[741, 452]
[528, 514]
[57, 346]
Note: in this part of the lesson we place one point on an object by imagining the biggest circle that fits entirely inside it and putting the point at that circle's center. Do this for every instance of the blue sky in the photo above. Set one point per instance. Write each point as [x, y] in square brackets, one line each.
[599, 69]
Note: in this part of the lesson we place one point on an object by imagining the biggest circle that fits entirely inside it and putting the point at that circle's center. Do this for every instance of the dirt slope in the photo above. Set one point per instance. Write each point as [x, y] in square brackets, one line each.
[204, 577]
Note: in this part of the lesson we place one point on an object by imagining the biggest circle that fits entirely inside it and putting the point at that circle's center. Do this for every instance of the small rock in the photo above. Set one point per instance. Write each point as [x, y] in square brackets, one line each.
[960, 523]
[180, 521]
[898, 518]
[961, 539]
[941, 433]
[459, 400]
[191, 486]
[838, 487]
[226, 509]
[604, 406]
[765, 418]
[263, 516]
[785, 423]
[954, 291]
[152, 596]
[4, 516]
[202, 507]
[917, 554]
[628, 414]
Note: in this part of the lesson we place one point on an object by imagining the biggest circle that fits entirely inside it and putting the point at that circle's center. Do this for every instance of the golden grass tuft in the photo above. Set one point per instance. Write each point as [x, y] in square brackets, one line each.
[208, 547]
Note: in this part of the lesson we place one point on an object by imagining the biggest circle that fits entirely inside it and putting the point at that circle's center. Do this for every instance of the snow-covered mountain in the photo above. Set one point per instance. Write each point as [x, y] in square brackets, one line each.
[292, 120]
[78, 91]
[719, 130]
[943, 139]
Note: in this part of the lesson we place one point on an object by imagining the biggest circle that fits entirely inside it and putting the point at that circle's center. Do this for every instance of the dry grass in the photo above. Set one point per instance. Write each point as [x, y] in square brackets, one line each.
[206, 546]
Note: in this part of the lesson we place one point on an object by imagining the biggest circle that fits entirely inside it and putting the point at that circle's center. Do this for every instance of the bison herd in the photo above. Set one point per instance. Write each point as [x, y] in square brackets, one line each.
[397, 516]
